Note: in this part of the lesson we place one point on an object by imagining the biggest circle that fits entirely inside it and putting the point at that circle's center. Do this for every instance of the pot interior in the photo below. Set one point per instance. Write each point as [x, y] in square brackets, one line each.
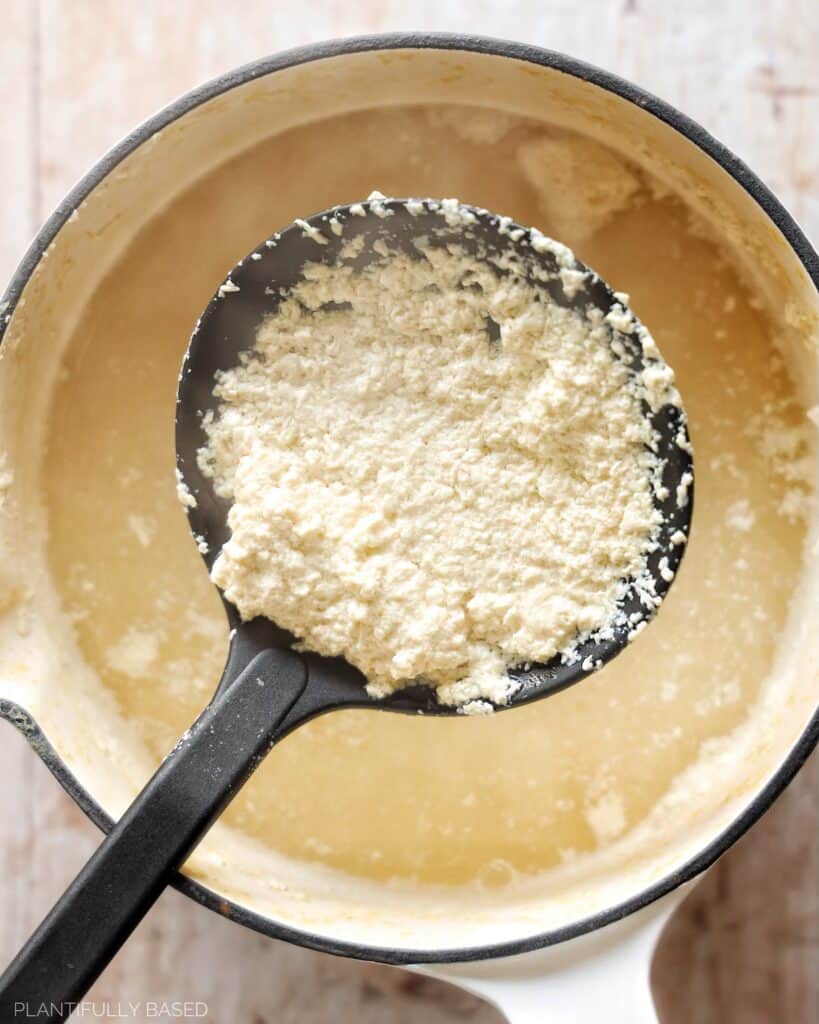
[381, 829]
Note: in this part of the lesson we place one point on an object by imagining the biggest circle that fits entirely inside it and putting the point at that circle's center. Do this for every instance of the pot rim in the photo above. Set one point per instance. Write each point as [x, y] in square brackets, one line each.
[663, 111]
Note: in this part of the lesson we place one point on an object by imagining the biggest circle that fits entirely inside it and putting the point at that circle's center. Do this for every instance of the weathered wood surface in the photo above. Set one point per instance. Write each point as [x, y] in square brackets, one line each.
[75, 75]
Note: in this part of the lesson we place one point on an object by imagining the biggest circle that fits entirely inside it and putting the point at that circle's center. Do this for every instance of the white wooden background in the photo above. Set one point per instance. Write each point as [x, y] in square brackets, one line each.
[75, 75]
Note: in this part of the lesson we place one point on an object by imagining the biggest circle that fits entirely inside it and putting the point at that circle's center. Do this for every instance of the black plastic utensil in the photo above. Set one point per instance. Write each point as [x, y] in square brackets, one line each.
[268, 689]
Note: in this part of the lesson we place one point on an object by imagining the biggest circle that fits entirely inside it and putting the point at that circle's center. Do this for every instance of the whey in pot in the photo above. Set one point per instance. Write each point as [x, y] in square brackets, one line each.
[565, 782]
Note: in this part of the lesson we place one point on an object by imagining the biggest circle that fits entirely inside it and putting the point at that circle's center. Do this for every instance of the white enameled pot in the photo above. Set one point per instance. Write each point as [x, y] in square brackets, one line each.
[593, 962]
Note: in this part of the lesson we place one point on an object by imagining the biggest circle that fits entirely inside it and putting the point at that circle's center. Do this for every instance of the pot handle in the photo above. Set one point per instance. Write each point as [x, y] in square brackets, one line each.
[602, 976]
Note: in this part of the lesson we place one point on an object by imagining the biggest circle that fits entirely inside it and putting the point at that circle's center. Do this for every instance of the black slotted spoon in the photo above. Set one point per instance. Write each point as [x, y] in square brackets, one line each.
[267, 689]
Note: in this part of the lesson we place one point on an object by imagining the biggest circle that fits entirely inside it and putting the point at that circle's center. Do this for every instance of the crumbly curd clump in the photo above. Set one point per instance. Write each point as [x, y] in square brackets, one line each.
[435, 471]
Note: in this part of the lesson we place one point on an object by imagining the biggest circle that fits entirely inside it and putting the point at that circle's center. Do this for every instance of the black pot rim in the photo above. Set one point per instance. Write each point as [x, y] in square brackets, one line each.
[771, 206]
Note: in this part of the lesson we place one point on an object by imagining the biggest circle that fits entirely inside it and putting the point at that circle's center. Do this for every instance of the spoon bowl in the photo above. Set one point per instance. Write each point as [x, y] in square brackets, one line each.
[257, 285]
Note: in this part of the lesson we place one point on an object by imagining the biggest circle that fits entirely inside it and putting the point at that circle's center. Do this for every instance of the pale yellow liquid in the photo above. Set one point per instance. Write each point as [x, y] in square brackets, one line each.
[386, 795]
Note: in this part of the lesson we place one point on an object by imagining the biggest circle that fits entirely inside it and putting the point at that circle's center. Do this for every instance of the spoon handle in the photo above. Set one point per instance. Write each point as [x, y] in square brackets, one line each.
[126, 874]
